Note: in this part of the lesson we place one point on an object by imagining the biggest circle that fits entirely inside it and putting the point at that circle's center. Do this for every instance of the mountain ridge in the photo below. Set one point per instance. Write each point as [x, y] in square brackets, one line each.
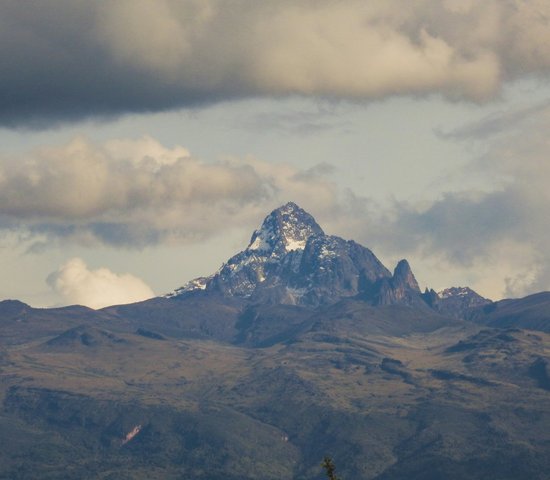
[290, 260]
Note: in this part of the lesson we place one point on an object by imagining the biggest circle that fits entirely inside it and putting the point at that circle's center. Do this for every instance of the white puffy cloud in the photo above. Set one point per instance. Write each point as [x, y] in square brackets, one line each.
[77, 284]
[95, 58]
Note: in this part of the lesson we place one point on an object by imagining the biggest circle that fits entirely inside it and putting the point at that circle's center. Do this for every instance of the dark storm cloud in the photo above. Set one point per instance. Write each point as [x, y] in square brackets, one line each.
[69, 59]
[57, 65]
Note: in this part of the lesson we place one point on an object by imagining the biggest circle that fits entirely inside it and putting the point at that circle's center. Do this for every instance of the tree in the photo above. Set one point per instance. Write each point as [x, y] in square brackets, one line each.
[330, 468]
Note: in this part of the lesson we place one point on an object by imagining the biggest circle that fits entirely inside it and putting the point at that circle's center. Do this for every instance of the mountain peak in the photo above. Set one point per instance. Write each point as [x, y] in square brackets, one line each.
[403, 275]
[290, 260]
[459, 301]
[285, 229]
[459, 292]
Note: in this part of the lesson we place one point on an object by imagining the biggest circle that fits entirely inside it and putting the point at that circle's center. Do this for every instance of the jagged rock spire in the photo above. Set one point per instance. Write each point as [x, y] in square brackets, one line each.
[403, 276]
[401, 288]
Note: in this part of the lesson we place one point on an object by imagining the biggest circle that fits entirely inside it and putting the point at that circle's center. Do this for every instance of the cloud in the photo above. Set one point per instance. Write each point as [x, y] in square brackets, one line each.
[137, 192]
[496, 123]
[72, 59]
[501, 230]
[77, 284]
[85, 181]
[298, 122]
[132, 193]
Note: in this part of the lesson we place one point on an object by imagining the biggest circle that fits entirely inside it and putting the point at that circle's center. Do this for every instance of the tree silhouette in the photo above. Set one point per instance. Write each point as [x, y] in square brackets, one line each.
[330, 468]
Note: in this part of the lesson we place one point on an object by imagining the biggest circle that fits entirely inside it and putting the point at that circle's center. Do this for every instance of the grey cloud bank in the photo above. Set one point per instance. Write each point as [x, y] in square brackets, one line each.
[138, 192]
[70, 59]
[507, 222]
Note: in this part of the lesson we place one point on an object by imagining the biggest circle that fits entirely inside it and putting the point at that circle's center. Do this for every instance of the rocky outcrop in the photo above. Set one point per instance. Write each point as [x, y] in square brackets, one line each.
[290, 260]
[460, 301]
[401, 288]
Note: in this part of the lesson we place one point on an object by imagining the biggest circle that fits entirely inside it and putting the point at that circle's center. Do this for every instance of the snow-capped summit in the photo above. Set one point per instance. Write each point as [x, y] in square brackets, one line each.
[457, 301]
[281, 238]
[285, 229]
[463, 292]
[290, 260]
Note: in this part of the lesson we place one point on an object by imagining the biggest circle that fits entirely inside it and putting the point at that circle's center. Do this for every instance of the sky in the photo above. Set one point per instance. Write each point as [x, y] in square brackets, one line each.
[142, 141]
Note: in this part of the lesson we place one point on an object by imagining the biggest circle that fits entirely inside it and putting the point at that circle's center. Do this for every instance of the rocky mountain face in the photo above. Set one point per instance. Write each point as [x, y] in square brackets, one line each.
[460, 301]
[401, 288]
[290, 260]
